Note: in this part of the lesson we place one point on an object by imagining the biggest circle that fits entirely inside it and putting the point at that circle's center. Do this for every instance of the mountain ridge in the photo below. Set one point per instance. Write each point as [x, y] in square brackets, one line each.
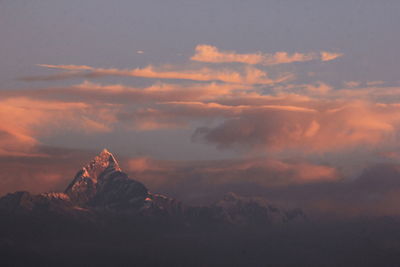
[101, 187]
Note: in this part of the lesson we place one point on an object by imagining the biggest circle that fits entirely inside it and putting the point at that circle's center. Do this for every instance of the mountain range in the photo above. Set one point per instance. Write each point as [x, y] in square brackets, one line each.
[102, 190]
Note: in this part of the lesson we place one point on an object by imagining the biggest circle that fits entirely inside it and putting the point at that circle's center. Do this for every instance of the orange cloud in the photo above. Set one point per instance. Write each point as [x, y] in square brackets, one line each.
[328, 56]
[66, 67]
[146, 164]
[23, 120]
[210, 106]
[160, 92]
[122, 94]
[280, 172]
[176, 114]
[211, 54]
[293, 117]
[348, 124]
[250, 75]
[208, 53]
[243, 107]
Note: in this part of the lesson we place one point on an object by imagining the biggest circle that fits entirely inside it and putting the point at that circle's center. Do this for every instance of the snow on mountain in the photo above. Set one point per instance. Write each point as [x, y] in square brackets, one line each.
[101, 183]
[241, 210]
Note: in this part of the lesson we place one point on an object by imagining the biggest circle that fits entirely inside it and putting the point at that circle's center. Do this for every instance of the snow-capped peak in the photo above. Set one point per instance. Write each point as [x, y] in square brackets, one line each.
[85, 184]
[103, 161]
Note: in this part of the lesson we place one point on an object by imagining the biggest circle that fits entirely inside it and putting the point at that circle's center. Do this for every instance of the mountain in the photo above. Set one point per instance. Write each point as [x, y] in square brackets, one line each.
[241, 210]
[101, 188]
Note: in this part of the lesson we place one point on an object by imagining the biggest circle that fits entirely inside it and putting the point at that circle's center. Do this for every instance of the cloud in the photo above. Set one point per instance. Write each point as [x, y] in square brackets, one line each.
[242, 117]
[24, 120]
[15, 143]
[204, 181]
[374, 192]
[203, 53]
[240, 107]
[328, 56]
[249, 75]
[176, 114]
[273, 172]
[73, 72]
[123, 94]
[158, 92]
[352, 84]
[44, 169]
[348, 124]
[318, 189]
[66, 67]
[304, 117]
[211, 54]
[375, 83]
[208, 53]
[318, 88]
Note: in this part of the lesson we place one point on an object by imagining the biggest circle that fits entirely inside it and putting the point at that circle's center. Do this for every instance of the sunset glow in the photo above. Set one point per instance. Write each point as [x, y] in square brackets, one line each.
[297, 102]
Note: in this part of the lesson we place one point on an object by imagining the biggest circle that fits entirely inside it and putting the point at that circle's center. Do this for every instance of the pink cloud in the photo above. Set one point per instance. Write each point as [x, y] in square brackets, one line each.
[24, 120]
[211, 54]
[249, 75]
[328, 56]
[349, 124]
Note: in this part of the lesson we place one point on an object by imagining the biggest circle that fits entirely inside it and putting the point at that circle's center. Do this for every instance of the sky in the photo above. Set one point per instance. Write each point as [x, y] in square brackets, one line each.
[297, 101]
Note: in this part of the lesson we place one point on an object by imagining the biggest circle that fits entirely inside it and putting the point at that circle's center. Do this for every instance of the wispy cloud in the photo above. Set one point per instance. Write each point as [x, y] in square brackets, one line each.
[249, 75]
[211, 54]
[328, 56]
[66, 67]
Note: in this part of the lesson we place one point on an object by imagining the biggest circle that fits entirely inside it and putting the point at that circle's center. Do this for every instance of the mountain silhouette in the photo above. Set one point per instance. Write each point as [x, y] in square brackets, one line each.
[101, 189]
